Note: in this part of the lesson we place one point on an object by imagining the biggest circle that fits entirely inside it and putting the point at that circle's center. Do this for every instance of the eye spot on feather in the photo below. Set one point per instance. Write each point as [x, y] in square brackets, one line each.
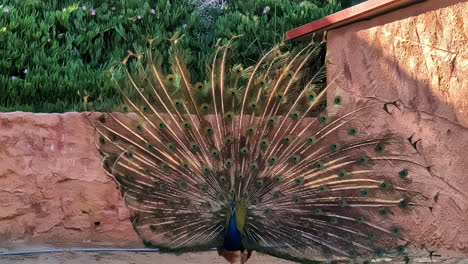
[342, 203]
[139, 128]
[162, 125]
[250, 131]
[259, 183]
[209, 131]
[333, 220]
[205, 107]
[295, 115]
[170, 78]
[254, 201]
[171, 146]
[383, 185]
[322, 188]
[164, 167]
[360, 219]
[240, 177]
[253, 106]
[323, 119]
[403, 203]
[276, 195]
[228, 163]
[364, 192]
[271, 121]
[186, 202]
[400, 249]
[296, 200]
[215, 153]
[264, 143]
[403, 173]
[310, 140]
[129, 155]
[353, 254]
[185, 165]
[272, 160]
[277, 179]
[228, 141]
[294, 159]
[352, 131]
[383, 212]
[299, 181]
[396, 230]
[254, 166]
[334, 147]
[338, 100]
[102, 119]
[194, 146]
[341, 174]
[102, 140]
[317, 211]
[244, 151]
[362, 160]
[379, 148]
[222, 179]
[287, 139]
[150, 146]
[318, 165]
[177, 104]
[187, 125]
[199, 86]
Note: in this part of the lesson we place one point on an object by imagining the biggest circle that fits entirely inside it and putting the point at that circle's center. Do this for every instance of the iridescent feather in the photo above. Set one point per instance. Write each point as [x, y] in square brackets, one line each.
[308, 185]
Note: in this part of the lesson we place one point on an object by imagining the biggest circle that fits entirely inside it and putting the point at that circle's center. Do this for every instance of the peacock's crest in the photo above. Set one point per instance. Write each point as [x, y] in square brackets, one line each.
[308, 184]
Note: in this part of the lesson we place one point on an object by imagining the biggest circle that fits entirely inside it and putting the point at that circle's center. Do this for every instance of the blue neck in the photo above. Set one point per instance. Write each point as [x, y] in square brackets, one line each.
[233, 239]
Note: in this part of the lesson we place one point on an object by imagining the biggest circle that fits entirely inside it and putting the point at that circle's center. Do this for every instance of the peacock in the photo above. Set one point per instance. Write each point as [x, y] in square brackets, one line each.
[257, 159]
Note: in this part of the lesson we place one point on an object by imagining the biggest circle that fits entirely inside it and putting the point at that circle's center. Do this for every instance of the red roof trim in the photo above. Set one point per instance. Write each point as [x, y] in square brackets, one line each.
[343, 16]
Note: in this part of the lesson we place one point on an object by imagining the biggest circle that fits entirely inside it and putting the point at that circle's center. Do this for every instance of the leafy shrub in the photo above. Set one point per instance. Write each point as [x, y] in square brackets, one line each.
[55, 54]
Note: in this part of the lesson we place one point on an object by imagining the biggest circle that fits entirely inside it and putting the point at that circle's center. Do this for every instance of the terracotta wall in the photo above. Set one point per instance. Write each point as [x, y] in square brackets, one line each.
[418, 56]
[52, 186]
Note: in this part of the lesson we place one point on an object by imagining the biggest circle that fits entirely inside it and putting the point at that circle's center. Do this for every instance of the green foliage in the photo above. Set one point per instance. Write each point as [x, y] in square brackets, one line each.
[55, 56]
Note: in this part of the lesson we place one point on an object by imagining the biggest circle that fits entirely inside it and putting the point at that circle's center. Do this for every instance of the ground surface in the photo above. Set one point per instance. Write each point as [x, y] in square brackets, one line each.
[112, 257]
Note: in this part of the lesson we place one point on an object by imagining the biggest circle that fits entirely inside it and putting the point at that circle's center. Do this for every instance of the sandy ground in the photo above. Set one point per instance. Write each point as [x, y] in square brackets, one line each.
[113, 257]
[126, 258]
[155, 258]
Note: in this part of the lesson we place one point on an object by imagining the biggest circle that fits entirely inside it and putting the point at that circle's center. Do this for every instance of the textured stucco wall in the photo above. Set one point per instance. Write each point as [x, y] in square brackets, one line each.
[52, 186]
[418, 56]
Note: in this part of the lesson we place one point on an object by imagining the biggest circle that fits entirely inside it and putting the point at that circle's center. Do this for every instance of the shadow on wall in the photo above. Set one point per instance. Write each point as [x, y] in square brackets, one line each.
[417, 56]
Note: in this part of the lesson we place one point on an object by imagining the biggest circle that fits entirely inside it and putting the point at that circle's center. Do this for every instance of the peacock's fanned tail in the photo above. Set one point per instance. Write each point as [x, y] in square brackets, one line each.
[315, 184]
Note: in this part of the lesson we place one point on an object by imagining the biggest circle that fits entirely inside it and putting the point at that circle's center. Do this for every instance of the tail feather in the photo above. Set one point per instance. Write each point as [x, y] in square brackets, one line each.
[316, 186]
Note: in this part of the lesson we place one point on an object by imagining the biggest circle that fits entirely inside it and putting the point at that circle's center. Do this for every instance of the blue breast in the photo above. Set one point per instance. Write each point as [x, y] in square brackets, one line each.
[233, 239]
